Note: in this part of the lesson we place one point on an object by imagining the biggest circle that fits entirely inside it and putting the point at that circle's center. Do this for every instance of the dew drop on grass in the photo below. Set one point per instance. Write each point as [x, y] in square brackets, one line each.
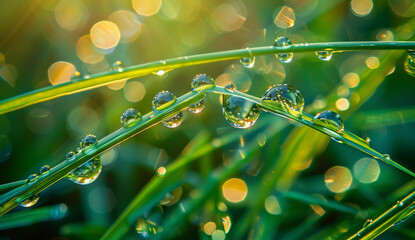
[283, 42]
[130, 117]
[89, 171]
[386, 156]
[197, 107]
[202, 80]
[76, 76]
[230, 87]
[367, 222]
[70, 155]
[44, 169]
[118, 66]
[324, 55]
[146, 228]
[32, 177]
[368, 140]
[329, 120]
[30, 201]
[286, 98]
[240, 112]
[163, 100]
[161, 72]
[248, 62]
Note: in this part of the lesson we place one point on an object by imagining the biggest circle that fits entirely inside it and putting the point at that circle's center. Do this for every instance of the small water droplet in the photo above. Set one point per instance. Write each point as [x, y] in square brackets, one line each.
[240, 112]
[44, 169]
[230, 87]
[248, 62]
[324, 55]
[409, 66]
[174, 121]
[146, 228]
[197, 107]
[161, 72]
[329, 120]
[32, 177]
[130, 117]
[202, 80]
[386, 156]
[283, 42]
[30, 201]
[367, 140]
[118, 66]
[163, 100]
[400, 203]
[367, 222]
[336, 140]
[285, 98]
[70, 155]
[76, 76]
[87, 141]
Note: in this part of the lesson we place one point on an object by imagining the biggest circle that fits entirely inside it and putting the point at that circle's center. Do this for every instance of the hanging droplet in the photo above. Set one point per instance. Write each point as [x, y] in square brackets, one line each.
[367, 222]
[70, 155]
[118, 66]
[197, 107]
[30, 201]
[409, 65]
[44, 169]
[329, 120]
[285, 98]
[240, 112]
[76, 76]
[174, 121]
[386, 156]
[130, 117]
[248, 62]
[283, 42]
[163, 100]
[146, 228]
[202, 80]
[324, 55]
[230, 87]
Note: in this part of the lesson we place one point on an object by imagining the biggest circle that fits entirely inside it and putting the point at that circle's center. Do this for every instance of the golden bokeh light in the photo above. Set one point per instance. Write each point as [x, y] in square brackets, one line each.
[229, 17]
[161, 171]
[105, 35]
[342, 104]
[218, 235]
[60, 72]
[361, 8]
[285, 18]
[226, 223]
[223, 79]
[343, 91]
[209, 228]
[71, 14]
[272, 205]
[134, 91]
[372, 62]
[117, 85]
[351, 79]
[234, 190]
[338, 179]
[128, 24]
[366, 170]
[146, 7]
[86, 52]
[384, 35]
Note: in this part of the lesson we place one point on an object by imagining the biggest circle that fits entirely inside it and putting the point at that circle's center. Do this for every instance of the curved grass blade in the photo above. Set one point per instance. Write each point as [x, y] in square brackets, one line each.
[101, 79]
[9, 186]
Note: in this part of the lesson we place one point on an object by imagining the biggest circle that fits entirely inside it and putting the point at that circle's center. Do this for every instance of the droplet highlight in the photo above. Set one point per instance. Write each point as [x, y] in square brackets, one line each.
[44, 169]
[240, 112]
[163, 100]
[324, 55]
[30, 201]
[283, 42]
[76, 76]
[248, 62]
[130, 117]
[118, 66]
[286, 98]
[329, 120]
[197, 107]
[70, 155]
[202, 80]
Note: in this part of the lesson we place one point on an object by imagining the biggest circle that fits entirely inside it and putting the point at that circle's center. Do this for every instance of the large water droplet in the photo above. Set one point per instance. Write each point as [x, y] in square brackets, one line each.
[76, 76]
[70, 155]
[44, 169]
[163, 100]
[202, 80]
[174, 121]
[248, 62]
[283, 42]
[409, 66]
[130, 117]
[87, 141]
[197, 107]
[30, 201]
[118, 66]
[240, 112]
[324, 55]
[286, 98]
[32, 177]
[146, 228]
[329, 120]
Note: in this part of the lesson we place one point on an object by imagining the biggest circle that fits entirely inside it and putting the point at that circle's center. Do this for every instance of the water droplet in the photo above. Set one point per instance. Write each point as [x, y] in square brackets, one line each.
[240, 112]
[161, 72]
[44, 169]
[87, 141]
[76, 76]
[118, 66]
[173, 197]
[386, 156]
[409, 66]
[248, 62]
[367, 140]
[336, 140]
[286, 98]
[197, 107]
[70, 155]
[130, 117]
[230, 87]
[329, 120]
[146, 228]
[32, 177]
[324, 55]
[163, 100]
[367, 222]
[174, 121]
[400, 203]
[30, 201]
[202, 80]
[283, 42]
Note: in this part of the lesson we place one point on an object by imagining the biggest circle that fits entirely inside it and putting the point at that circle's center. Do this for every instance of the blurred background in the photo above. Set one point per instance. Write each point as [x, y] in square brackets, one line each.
[290, 174]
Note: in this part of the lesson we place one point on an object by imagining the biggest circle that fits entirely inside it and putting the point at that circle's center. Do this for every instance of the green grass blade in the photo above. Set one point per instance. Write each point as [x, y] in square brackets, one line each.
[11, 185]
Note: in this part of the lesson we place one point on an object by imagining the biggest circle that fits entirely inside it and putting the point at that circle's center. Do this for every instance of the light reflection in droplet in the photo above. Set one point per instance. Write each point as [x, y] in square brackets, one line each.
[338, 179]
[285, 17]
[366, 170]
[234, 190]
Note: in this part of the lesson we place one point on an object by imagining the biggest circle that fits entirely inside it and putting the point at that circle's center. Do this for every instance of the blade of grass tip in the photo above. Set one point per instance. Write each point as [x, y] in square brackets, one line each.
[14, 197]
[105, 78]
[398, 212]
[9, 186]
[32, 216]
